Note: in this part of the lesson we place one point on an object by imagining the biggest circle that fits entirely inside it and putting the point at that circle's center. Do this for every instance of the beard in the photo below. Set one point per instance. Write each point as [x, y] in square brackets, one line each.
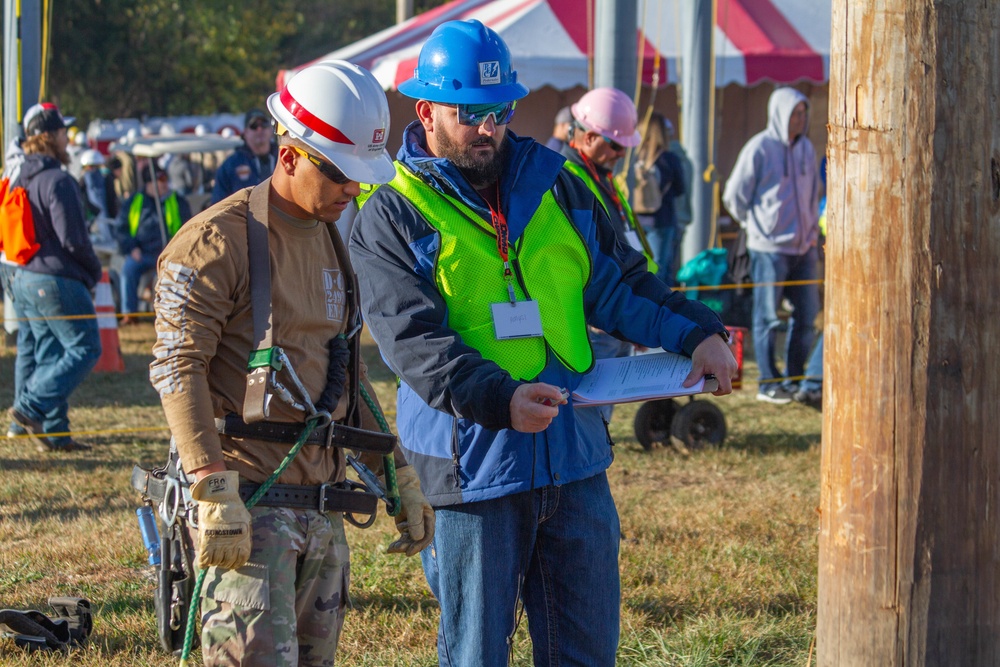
[480, 169]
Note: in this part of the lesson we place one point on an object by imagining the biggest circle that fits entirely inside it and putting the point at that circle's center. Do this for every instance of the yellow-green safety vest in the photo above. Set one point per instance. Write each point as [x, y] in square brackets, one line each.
[550, 260]
[171, 212]
[581, 171]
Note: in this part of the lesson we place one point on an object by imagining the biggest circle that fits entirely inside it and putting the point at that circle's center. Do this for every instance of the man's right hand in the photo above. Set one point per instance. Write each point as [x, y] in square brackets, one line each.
[528, 413]
[223, 521]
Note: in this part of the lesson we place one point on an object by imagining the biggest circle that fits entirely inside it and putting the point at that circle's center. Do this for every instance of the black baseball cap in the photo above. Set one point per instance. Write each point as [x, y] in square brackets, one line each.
[44, 117]
[255, 114]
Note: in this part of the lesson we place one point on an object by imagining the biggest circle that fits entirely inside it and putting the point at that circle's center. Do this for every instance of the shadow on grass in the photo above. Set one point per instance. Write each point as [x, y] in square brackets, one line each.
[62, 512]
[774, 443]
[392, 603]
[669, 610]
[755, 443]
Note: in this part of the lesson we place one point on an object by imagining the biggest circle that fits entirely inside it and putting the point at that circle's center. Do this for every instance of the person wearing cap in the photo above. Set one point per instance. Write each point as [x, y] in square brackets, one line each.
[560, 130]
[252, 162]
[276, 588]
[58, 340]
[480, 265]
[145, 224]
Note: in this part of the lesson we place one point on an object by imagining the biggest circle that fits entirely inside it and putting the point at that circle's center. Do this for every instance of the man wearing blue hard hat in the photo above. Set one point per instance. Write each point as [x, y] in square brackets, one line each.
[480, 266]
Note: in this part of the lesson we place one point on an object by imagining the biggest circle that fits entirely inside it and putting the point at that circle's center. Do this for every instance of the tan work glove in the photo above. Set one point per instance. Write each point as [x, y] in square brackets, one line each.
[223, 521]
[415, 521]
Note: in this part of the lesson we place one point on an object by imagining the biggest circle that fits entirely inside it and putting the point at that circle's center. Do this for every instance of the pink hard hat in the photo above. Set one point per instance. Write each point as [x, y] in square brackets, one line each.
[610, 113]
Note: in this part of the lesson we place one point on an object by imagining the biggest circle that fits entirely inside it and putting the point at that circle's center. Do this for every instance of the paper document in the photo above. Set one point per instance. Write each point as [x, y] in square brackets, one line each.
[641, 378]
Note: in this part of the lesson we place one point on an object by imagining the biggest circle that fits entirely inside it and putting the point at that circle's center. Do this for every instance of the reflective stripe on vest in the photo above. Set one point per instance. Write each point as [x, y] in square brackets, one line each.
[630, 221]
[171, 211]
[550, 260]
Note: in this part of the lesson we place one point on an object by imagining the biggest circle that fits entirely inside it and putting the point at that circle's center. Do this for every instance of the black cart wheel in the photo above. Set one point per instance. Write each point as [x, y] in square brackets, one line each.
[652, 422]
[699, 423]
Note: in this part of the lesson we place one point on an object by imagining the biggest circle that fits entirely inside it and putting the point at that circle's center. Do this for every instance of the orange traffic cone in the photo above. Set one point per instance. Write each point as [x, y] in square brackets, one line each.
[111, 351]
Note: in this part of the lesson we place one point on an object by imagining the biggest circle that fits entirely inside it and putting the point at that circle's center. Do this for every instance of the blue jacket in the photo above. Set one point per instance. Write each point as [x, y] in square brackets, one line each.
[453, 409]
[60, 228]
[241, 170]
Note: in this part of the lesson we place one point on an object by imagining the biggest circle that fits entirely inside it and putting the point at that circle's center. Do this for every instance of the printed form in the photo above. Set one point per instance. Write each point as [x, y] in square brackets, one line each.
[640, 378]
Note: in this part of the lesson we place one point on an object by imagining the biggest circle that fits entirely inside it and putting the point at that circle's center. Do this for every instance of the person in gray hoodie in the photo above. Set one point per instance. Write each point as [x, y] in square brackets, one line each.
[773, 192]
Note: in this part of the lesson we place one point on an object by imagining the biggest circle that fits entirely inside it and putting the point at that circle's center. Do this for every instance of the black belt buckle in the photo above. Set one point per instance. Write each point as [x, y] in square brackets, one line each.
[321, 502]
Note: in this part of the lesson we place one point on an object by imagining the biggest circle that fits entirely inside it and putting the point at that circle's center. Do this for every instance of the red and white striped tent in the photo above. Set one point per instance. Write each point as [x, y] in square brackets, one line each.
[756, 42]
[781, 41]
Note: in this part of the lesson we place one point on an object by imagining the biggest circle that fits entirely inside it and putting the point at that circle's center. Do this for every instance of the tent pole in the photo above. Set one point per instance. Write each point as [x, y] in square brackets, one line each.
[697, 88]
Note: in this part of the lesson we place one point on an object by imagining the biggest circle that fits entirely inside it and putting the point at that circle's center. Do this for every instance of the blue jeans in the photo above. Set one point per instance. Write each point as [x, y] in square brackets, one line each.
[556, 548]
[767, 267]
[131, 275]
[54, 354]
[663, 243]
[814, 369]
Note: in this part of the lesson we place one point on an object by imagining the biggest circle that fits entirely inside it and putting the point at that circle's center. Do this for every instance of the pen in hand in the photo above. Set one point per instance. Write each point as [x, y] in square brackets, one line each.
[564, 396]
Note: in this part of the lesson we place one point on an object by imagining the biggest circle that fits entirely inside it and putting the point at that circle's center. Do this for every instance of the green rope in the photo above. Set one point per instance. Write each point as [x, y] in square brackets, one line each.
[388, 462]
[196, 595]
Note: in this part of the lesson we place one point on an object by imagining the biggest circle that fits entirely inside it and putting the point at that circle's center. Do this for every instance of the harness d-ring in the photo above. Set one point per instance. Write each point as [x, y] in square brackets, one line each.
[170, 506]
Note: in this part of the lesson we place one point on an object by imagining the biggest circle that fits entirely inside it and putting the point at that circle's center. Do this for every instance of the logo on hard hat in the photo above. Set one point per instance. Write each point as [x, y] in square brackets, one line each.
[378, 136]
[489, 72]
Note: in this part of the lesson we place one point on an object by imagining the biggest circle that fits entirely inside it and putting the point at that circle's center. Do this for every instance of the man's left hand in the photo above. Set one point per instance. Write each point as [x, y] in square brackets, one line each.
[713, 357]
[415, 522]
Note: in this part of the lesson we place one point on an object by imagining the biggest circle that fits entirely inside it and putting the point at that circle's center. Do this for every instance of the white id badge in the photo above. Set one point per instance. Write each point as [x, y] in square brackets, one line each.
[633, 239]
[520, 319]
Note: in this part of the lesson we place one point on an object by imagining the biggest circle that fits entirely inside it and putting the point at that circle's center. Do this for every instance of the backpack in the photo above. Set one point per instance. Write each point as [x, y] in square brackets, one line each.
[17, 224]
[648, 195]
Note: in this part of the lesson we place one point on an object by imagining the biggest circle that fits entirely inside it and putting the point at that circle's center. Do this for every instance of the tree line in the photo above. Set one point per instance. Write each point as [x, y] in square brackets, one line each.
[133, 58]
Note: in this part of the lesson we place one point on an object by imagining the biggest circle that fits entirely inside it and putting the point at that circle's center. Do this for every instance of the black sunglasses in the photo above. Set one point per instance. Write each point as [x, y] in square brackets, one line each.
[258, 124]
[325, 168]
[615, 146]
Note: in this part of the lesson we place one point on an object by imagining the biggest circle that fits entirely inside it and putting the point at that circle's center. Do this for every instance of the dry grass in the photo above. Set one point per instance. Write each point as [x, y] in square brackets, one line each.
[718, 557]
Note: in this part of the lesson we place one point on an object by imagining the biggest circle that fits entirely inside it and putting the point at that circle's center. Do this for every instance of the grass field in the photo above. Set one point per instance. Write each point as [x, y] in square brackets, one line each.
[718, 553]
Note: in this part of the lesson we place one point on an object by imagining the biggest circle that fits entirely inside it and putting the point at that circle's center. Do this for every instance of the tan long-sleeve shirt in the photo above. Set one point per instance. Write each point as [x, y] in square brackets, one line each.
[205, 331]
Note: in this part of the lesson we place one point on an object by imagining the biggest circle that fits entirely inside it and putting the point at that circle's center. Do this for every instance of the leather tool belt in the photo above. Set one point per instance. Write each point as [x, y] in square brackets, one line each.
[347, 496]
[333, 435]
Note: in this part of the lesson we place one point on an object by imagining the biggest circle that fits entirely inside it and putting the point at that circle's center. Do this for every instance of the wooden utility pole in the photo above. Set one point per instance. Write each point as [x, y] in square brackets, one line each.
[909, 563]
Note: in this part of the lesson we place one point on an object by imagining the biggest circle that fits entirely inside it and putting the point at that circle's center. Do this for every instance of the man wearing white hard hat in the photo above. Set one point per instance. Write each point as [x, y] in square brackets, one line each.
[257, 292]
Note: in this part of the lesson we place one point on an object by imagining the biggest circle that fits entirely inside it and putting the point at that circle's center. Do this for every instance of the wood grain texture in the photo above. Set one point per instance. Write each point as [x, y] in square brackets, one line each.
[911, 436]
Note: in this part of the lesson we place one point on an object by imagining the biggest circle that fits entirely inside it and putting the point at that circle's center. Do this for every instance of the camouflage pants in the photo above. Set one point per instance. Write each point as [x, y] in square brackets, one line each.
[285, 607]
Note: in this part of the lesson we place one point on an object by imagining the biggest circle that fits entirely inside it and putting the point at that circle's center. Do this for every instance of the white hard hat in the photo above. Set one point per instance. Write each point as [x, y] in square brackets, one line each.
[340, 110]
[91, 158]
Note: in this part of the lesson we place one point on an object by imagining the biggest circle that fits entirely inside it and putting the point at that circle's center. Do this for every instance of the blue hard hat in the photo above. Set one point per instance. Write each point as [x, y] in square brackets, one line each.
[464, 62]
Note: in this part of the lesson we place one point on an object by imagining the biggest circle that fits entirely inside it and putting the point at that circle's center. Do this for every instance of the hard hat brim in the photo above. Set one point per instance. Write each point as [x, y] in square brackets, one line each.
[455, 94]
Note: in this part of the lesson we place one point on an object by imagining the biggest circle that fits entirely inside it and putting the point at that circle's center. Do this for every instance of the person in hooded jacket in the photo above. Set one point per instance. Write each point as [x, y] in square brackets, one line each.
[773, 192]
[58, 341]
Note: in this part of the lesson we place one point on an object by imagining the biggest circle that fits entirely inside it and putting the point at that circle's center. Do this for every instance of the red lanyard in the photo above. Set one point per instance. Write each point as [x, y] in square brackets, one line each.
[611, 191]
[499, 223]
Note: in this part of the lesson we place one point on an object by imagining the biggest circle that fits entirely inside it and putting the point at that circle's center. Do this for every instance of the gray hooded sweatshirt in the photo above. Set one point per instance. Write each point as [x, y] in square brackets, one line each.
[774, 188]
